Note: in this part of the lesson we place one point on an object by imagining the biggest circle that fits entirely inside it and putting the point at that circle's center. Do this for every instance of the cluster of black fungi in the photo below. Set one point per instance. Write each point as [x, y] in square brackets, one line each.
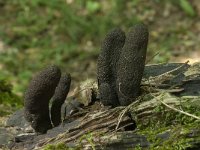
[120, 68]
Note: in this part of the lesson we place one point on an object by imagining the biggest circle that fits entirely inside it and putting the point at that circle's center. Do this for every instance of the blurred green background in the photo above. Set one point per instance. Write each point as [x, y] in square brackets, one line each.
[68, 33]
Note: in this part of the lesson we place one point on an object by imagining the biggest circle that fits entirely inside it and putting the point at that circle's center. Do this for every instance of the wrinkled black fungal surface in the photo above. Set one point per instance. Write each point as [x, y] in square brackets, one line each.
[121, 64]
[107, 63]
[59, 97]
[131, 64]
[37, 96]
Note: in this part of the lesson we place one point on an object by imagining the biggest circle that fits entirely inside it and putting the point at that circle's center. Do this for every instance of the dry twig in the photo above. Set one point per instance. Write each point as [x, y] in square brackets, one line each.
[177, 110]
[124, 111]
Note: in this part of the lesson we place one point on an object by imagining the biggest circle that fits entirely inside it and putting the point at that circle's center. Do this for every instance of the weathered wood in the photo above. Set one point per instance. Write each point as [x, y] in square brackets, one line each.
[171, 84]
[130, 139]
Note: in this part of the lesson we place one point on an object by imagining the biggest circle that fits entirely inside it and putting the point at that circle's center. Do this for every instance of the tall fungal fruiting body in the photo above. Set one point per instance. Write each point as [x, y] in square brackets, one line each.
[59, 97]
[131, 64]
[106, 66]
[121, 64]
[37, 96]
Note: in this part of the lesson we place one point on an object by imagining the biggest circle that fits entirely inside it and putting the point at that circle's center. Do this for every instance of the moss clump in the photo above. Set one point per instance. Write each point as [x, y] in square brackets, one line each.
[9, 102]
[170, 129]
[60, 146]
[171, 137]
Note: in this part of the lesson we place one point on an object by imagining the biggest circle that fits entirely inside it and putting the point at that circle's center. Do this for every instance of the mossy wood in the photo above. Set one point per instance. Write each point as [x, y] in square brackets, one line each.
[167, 115]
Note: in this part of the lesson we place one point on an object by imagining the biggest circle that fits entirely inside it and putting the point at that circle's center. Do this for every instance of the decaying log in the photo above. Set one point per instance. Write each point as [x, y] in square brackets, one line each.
[171, 84]
[130, 139]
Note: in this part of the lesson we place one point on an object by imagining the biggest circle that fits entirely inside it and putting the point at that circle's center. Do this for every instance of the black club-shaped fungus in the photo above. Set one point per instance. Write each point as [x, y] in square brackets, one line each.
[131, 64]
[59, 97]
[121, 64]
[37, 96]
[106, 66]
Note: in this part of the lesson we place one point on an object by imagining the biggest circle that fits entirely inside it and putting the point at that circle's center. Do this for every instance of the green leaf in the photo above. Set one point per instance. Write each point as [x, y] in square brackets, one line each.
[92, 6]
[187, 7]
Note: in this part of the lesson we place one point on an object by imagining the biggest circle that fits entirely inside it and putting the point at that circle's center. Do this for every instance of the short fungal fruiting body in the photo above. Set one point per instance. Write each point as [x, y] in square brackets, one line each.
[38, 95]
[121, 65]
[59, 97]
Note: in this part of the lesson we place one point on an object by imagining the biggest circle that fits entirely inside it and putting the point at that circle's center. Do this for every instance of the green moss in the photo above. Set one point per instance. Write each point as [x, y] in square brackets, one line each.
[174, 125]
[9, 102]
[177, 138]
[60, 146]
[4, 86]
[86, 137]
[89, 138]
